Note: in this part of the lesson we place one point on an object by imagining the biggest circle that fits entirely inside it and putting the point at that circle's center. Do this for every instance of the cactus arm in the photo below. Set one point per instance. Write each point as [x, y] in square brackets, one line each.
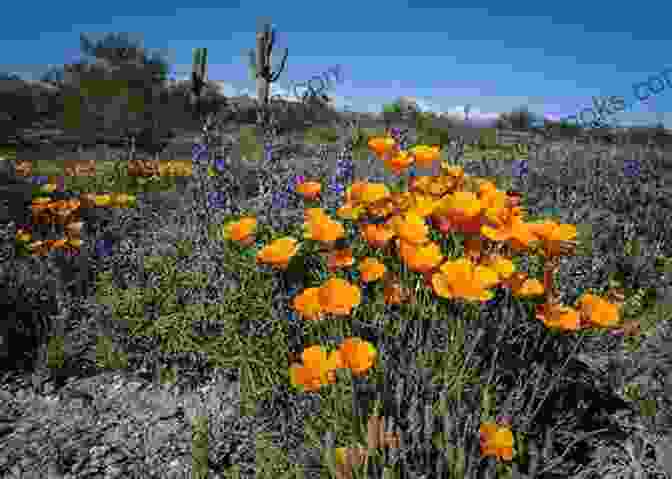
[270, 41]
[275, 76]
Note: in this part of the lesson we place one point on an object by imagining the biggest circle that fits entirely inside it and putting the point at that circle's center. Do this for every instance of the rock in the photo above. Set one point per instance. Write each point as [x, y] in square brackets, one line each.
[114, 418]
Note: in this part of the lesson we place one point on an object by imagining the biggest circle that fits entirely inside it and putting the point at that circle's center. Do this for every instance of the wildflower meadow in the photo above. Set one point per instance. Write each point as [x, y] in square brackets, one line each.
[397, 312]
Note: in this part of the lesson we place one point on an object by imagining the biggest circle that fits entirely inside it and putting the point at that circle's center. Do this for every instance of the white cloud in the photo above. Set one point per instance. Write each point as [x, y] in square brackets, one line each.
[427, 106]
[474, 113]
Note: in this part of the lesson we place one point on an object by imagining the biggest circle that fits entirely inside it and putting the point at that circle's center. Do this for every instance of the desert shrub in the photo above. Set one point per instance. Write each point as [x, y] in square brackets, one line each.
[165, 306]
[29, 299]
[433, 136]
[488, 138]
[249, 144]
[321, 135]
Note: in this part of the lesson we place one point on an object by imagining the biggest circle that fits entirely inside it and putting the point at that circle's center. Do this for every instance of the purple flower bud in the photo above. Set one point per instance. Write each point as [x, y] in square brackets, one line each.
[39, 180]
[504, 419]
[631, 168]
[220, 165]
[103, 247]
[197, 150]
[520, 168]
[216, 199]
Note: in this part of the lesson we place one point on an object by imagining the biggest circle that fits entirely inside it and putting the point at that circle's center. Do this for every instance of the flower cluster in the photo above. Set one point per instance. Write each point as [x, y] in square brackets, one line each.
[406, 225]
[344, 175]
[64, 212]
[318, 367]
[70, 243]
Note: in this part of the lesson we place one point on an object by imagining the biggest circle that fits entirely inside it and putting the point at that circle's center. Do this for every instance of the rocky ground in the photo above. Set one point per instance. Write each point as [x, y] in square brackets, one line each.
[104, 424]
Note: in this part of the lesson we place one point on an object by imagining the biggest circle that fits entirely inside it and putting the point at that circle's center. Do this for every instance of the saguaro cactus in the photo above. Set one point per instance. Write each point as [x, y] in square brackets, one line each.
[198, 73]
[260, 64]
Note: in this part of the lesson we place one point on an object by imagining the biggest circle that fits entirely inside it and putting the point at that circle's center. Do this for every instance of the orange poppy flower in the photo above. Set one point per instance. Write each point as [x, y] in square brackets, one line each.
[358, 355]
[341, 258]
[425, 155]
[324, 229]
[318, 368]
[504, 267]
[420, 259]
[598, 311]
[528, 287]
[278, 253]
[371, 269]
[496, 441]
[376, 236]
[399, 161]
[559, 316]
[365, 192]
[557, 237]
[307, 304]
[413, 229]
[310, 190]
[240, 230]
[338, 297]
[382, 144]
[462, 279]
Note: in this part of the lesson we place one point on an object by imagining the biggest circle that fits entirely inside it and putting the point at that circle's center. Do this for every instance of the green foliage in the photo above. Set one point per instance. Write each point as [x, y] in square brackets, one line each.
[103, 87]
[72, 110]
[394, 107]
[173, 322]
[272, 461]
[107, 357]
[154, 311]
[168, 375]
[434, 136]
[250, 147]
[427, 133]
[56, 352]
[321, 135]
[488, 138]
[199, 447]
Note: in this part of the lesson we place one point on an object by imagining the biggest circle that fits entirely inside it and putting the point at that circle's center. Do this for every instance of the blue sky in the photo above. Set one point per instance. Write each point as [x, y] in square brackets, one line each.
[552, 57]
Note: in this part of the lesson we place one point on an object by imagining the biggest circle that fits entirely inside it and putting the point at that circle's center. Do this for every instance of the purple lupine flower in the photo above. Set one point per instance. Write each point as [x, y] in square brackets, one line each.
[336, 186]
[268, 150]
[103, 247]
[344, 167]
[198, 149]
[280, 199]
[519, 168]
[220, 165]
[39, 180]
[216, 199]
[299, 179]
[631, 168]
